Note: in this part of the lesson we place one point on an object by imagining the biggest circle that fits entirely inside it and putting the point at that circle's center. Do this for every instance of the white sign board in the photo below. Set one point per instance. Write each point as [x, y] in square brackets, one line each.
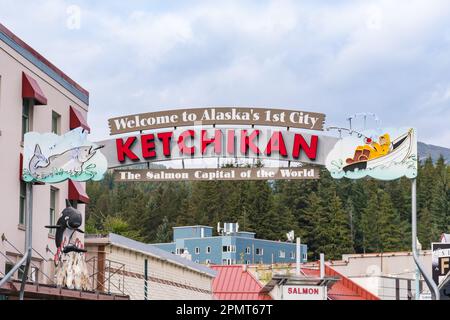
[51, 158]
[300, 292]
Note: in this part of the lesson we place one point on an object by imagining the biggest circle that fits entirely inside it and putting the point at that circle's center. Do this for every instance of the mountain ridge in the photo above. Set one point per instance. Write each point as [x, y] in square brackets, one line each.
[425, 150]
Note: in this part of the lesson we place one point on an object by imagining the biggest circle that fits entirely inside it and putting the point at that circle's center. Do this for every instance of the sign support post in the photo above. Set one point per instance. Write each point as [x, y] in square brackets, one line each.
[433, 287]
[298, 257]
[28, 244]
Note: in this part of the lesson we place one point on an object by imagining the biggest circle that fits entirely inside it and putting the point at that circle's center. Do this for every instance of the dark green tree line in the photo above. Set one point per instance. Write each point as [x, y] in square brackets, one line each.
[331, 216]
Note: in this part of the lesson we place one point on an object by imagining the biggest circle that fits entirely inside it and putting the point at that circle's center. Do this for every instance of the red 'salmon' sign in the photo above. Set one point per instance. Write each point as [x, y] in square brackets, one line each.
[303, 292]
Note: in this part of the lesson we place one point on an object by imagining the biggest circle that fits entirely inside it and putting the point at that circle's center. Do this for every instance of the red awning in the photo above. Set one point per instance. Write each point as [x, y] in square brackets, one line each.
[78, 120]
[77, 192]
[31, 90]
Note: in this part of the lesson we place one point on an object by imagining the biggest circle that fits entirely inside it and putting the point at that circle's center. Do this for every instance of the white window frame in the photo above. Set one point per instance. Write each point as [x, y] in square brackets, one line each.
[34, 274]
[229, 248]
[208, 249]
[197, 250]
[292, 255]
[247, 250]
[259, 251]
[282, 254]
[53, 210]
[56, 127]
[22, 203]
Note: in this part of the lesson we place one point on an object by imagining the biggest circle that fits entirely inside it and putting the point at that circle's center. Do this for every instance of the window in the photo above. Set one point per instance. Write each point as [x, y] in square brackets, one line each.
[229, 249]
[247, 261]
[8, 267]
[22, 203]
[259, 251]
[26, 116]
[247, 250]
[53, 197]
[228, 261]
[34, 274]
[21, 272]
[292, 255]
[180, 251]
[207, 261]
[282, 254]
[305, 256]
[197, 261]
[208, 249]
[197, 250]
[56, 120]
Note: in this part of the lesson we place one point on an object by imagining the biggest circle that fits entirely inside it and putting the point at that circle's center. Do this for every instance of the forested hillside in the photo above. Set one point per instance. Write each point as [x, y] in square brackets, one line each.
[331, 216]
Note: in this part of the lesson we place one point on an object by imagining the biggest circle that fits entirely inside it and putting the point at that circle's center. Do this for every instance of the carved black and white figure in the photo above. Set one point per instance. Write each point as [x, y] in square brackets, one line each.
[71, 266]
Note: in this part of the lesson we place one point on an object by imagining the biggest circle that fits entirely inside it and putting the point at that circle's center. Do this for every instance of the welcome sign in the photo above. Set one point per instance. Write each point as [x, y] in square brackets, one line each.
[233, 133]
[217, 116]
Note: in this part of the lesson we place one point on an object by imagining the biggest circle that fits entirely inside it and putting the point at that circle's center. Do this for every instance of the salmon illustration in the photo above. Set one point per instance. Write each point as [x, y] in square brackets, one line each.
[70, 161]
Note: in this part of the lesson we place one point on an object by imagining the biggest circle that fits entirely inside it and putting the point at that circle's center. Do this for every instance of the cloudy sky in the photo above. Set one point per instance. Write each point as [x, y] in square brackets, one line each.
[388, 57]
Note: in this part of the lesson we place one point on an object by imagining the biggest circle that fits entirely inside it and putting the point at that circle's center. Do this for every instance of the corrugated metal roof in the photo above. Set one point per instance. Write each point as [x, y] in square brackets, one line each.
[234, 283]
[159, 253]
[344, 288]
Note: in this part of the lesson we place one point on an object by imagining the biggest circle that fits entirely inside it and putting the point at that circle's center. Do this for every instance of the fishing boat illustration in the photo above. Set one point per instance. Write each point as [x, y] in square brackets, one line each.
[400, 149]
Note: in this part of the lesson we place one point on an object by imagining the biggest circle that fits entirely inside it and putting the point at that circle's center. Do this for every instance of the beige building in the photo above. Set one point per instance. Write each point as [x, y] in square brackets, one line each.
[144, 272]
[34, 96]
[389, 275]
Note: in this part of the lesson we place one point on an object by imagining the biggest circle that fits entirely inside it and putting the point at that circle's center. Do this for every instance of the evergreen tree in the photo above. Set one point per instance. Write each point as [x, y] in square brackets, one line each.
[369, 225]
[340, 232]
[424, 228]
[390, 227]
[313, 231]
[439, 201]
[164, 231]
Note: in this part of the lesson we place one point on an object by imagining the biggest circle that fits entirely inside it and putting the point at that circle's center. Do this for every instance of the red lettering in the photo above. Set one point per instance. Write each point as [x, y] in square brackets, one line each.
[217, 140]
[230, 142]
[247, 141]
[184, 149]
[276, 143]
[303, 291]
[300, 143]
[123, 149]
[166, 138]
[148, 145]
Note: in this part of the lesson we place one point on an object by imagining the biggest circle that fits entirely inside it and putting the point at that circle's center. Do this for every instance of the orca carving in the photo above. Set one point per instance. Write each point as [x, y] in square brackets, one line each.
[71, 220]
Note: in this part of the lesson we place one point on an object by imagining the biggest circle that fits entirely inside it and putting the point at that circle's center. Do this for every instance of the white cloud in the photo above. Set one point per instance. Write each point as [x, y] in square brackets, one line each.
[387, 57]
